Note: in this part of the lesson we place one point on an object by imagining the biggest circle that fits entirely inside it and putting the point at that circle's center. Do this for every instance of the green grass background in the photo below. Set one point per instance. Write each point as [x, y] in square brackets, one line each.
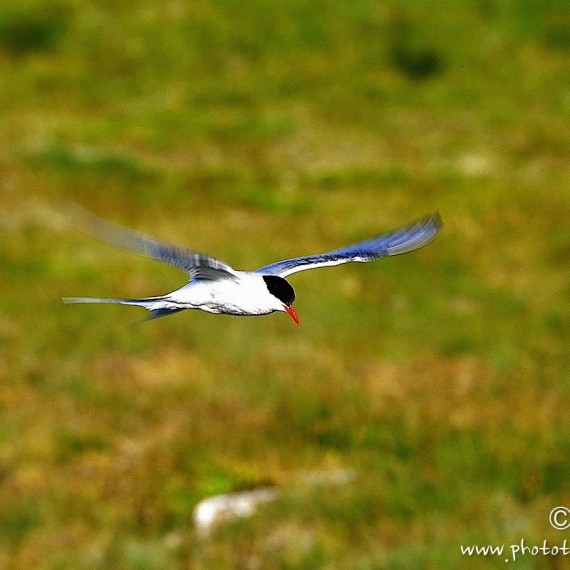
[257, 131]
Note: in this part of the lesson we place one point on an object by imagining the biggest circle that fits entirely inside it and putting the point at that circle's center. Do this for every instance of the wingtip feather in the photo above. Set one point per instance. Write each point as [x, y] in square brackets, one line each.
[417, 235]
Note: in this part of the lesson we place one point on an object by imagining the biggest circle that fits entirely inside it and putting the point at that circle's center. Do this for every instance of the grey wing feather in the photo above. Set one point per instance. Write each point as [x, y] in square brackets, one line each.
[403, 240]
[197, 265]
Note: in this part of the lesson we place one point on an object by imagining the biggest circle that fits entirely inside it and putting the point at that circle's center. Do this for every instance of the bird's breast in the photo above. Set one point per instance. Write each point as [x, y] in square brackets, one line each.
[234, 297]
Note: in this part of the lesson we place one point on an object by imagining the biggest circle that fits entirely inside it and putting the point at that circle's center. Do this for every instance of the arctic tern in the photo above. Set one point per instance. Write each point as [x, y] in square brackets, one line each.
[216, 287]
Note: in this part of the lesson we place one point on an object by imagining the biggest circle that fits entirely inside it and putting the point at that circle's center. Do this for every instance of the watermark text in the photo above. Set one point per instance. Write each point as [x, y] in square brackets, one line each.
[512, 552]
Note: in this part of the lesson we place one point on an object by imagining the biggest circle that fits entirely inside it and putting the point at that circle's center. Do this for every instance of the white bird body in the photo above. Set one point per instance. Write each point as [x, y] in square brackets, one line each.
[247, 294]
[215, 287]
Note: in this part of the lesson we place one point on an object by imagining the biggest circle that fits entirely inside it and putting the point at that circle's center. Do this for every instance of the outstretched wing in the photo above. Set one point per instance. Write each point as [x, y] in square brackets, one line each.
[404, 239]
[197, 265]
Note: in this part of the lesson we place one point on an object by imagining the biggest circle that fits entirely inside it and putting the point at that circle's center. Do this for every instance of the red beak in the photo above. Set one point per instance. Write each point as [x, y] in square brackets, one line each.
[293, 315]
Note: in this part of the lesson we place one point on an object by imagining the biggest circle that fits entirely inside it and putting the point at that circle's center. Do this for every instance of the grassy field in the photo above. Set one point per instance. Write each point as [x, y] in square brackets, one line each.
[256, 131]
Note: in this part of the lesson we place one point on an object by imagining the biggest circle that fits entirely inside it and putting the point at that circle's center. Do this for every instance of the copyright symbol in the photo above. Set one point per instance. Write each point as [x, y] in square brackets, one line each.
[560, 518]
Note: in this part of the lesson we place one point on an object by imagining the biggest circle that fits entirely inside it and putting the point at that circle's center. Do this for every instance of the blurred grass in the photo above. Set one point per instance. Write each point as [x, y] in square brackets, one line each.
[258, 131]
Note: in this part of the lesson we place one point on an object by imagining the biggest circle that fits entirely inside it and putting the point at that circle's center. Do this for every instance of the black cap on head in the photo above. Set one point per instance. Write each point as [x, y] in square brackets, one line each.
[280, 288]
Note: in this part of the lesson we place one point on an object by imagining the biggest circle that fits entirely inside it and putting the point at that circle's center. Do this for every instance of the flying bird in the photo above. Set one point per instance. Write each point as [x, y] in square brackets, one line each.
[216, 287]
